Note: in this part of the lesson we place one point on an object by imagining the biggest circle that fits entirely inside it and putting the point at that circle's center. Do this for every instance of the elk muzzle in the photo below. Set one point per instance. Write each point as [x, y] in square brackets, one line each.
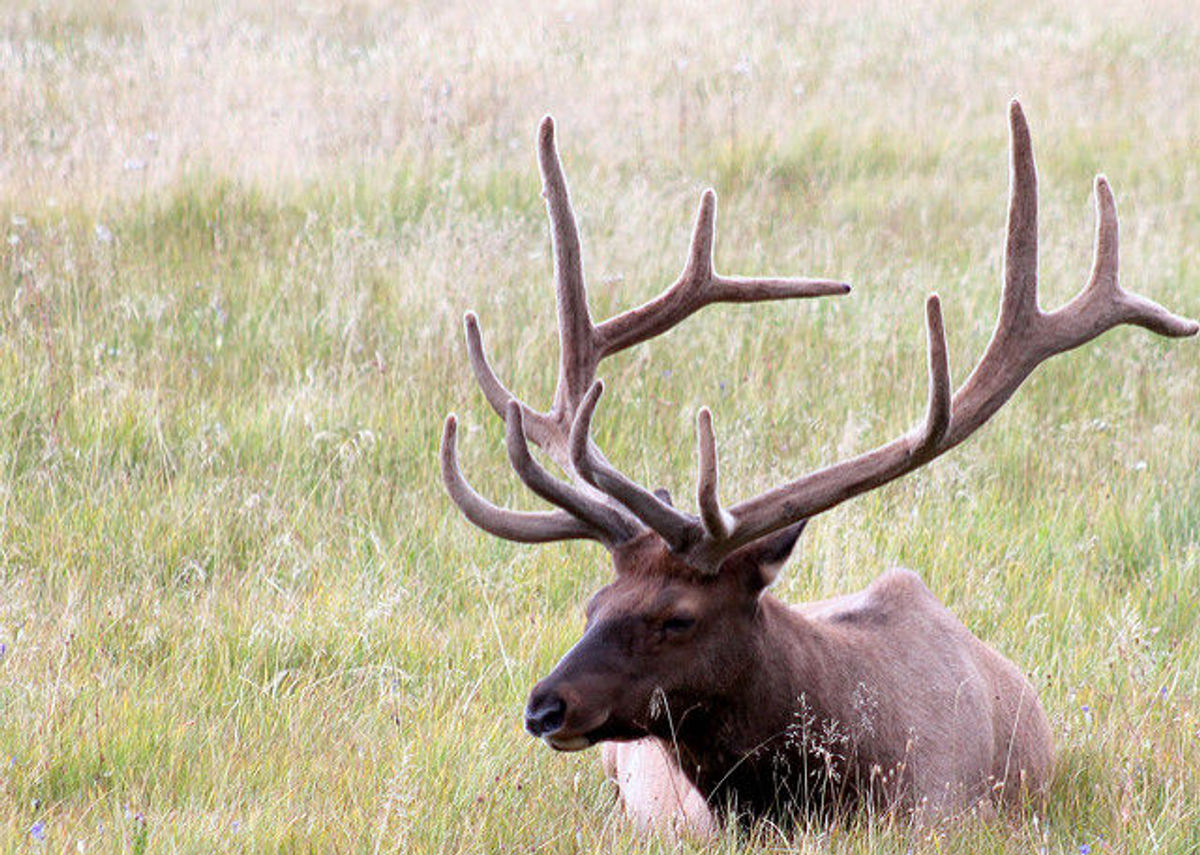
[557, 714]
[574, 706]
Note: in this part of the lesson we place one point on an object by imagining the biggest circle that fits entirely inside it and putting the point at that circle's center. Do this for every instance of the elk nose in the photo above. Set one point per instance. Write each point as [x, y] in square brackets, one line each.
[545, 713]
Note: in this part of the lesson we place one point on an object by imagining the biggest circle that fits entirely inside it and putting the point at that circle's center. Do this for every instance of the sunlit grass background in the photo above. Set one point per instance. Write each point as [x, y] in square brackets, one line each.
[237, 611]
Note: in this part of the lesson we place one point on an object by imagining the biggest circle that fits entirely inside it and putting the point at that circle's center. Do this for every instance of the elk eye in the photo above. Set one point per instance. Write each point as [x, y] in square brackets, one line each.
[680, 623]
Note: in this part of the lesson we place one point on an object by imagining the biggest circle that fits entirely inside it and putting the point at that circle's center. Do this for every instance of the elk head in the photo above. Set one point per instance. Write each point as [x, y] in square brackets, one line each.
[681, 622]
[662, 640]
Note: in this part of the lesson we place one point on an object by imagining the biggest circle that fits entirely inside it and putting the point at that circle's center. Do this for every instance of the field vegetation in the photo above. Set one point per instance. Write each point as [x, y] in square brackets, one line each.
[237, 610]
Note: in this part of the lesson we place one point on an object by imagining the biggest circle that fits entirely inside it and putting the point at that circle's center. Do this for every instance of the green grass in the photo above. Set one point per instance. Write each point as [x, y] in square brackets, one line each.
[238, 611]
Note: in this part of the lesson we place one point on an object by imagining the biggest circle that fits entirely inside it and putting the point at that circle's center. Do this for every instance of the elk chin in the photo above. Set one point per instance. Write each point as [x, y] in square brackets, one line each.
[609, 730]
[579, 730]
[571, 743]
[578, 736]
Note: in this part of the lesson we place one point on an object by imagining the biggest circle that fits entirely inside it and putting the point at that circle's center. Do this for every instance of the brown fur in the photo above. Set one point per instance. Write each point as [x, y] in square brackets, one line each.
[880, 698]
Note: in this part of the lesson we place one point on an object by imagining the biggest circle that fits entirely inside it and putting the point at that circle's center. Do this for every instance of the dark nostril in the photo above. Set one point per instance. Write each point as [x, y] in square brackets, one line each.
[545, 714]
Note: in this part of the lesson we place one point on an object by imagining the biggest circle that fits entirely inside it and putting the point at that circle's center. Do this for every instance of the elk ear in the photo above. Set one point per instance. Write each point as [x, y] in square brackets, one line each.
[664, 496]
[759, 563]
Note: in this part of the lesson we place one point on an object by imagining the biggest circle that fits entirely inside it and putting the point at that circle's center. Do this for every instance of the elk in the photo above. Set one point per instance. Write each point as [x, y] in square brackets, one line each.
[711, 696]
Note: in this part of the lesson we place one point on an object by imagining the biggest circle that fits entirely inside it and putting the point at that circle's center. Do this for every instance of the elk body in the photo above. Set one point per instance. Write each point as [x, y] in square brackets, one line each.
[707, 691]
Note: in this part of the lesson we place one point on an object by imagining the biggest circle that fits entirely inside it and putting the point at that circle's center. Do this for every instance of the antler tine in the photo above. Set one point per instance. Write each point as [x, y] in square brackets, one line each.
[497, 394]
[494, 391]
[717, 523]
[937, 411]
[578, 359]
[1018, 301]
[600, 517]
[1106, 255]
[698, 286]
[675, 527]
[1103, 303]
[699, 265]
[521, 526]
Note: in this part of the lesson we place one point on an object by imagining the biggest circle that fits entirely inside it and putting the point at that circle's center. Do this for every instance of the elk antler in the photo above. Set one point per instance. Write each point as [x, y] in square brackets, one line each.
[1024, 337]
[601, 504]
[605, 505]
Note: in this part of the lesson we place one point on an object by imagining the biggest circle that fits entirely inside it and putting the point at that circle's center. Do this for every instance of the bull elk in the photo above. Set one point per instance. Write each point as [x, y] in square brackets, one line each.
[708, 692]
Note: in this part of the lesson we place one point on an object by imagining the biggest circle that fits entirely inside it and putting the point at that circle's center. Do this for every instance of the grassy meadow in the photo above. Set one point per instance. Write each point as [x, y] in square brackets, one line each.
[237, 610]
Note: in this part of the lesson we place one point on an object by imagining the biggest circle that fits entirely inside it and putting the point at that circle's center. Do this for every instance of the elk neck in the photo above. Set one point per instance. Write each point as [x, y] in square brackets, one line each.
[759, 747]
